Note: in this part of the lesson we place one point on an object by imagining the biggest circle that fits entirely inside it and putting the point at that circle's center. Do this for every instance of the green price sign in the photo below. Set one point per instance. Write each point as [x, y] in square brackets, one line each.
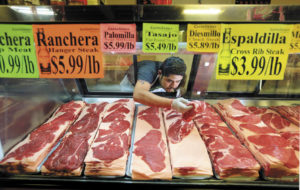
[160, 38]
[17, 52]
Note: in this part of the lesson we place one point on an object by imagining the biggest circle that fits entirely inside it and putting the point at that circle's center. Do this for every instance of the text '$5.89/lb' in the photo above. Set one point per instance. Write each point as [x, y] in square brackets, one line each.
[204, 45]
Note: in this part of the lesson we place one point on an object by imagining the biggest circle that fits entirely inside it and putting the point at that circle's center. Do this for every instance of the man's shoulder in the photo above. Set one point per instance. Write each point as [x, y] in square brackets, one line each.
[149, 63]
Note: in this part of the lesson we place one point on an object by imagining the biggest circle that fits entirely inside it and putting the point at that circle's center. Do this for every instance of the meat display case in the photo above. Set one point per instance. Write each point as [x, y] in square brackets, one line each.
[27, 103]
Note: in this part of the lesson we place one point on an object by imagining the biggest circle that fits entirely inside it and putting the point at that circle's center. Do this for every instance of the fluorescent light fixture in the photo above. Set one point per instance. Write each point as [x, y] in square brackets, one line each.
[44, 11]
[210, 11]
[28, 10]
[24, 10]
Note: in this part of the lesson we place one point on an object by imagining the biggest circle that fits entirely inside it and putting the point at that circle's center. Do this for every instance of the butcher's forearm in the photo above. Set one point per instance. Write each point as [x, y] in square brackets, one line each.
[150, 99]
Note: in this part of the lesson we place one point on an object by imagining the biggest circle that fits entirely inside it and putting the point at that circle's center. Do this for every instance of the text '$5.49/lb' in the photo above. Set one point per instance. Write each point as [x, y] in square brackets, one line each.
[160, 46]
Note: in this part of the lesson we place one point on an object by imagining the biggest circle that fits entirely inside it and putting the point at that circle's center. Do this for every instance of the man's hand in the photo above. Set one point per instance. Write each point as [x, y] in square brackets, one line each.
[180, 105]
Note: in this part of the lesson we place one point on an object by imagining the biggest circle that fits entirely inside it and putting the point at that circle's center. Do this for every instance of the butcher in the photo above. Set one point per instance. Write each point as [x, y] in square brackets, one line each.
[154, 78]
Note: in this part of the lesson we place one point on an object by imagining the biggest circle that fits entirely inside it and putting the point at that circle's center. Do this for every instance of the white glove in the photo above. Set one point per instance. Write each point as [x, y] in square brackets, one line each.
[180, 105]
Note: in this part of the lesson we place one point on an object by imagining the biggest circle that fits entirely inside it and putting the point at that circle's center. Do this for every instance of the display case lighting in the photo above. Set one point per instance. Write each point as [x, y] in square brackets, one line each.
[211, 11]
[23, 10]
[29, 10]
[44, 11]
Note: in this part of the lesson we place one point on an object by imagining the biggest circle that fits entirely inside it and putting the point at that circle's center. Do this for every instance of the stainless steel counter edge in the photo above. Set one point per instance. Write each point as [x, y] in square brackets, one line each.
[147, 13]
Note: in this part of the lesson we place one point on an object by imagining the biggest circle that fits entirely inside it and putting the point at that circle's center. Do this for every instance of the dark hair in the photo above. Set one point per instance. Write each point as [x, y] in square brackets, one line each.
[173, 66]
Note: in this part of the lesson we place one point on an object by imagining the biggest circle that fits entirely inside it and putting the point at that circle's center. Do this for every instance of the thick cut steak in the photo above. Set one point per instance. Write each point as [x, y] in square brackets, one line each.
[27, 155]
[67, 159]
[292, 113]
[281, 125]
[198, 107]
[273, 152]
[231, 160]
[189, 157]
[150, 157]
[110, 149]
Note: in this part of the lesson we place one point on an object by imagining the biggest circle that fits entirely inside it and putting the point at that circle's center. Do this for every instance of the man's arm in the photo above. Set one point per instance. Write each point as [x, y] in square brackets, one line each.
[142, 95]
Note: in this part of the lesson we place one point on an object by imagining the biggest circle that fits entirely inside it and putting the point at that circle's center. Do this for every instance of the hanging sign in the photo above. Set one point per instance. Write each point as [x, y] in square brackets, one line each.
[160, 38]
[119, 38]
[295, 42]
[203, 37]
[253, 51]
[17, 52]
[68, 50]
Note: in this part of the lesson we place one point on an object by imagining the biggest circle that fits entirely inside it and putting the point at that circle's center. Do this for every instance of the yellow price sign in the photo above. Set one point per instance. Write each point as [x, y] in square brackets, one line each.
[253, 51]
[160, 38]
[203, 37]
[295, 42]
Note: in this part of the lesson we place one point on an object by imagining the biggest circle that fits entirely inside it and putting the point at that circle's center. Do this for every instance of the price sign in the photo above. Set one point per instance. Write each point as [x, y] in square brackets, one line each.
[17, 52]
[118, 38]
[68, 50]
[295, 42]
[203, 37]
[160, 38]
[253, 51]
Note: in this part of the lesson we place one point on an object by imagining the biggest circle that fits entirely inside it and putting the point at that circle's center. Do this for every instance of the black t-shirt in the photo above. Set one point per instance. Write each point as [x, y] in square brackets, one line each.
[147, 70]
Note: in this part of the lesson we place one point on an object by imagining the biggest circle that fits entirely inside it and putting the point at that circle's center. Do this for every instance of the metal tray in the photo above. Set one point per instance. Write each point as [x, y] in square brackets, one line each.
[41, 181]
[84, 182]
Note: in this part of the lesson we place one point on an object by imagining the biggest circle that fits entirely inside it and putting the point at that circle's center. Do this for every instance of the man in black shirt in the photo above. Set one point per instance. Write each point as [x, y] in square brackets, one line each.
[153, 76]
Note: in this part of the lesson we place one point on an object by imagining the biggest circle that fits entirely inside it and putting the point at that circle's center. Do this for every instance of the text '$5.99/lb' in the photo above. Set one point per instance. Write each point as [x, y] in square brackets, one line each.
[76, 64]
[118, 45]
